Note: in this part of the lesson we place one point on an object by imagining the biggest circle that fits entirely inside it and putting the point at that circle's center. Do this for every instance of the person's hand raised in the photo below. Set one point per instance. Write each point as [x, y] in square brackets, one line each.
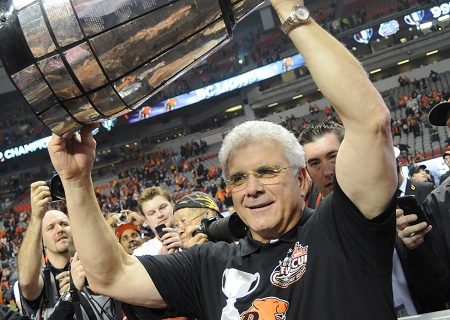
[73, 158]
[40, 197]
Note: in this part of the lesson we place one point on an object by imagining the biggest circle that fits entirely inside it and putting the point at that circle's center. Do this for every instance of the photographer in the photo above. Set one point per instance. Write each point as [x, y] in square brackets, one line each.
[49, 232]
[47, 292]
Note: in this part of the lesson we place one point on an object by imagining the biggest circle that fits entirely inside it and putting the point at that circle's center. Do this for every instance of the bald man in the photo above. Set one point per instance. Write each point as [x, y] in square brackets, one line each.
[49, 232]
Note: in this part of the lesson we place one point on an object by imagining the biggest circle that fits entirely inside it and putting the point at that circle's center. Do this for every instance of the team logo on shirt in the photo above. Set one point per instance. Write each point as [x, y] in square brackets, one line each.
[269, 308]
[292, 268]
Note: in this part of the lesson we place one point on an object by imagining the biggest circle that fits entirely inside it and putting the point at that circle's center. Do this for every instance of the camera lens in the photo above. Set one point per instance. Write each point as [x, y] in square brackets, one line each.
[57, 189]
[123, 217]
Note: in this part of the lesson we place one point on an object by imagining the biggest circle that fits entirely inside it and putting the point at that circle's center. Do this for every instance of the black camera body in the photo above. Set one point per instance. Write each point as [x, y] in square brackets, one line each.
[228, 229]
[56, 188]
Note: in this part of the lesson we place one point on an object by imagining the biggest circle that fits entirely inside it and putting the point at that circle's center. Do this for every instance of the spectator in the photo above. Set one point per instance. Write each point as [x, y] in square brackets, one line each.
[322, 136]
[51, 228]
[417, 295]
[156, 206]
[129, 237]
[189, 212]
[446, 157]
[437, 203]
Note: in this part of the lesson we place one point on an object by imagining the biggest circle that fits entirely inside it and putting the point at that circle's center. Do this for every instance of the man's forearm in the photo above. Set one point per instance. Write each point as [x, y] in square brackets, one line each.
[30, 260]
[336, 72]
[98, 249]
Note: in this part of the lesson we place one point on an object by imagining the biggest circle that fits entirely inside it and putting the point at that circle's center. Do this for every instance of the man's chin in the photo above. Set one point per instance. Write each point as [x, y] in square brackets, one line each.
[62, 250]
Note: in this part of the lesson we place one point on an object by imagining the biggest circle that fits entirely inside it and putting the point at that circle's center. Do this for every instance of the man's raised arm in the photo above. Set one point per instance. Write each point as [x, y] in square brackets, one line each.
[108, 267]
[366, 155]
[30, 254]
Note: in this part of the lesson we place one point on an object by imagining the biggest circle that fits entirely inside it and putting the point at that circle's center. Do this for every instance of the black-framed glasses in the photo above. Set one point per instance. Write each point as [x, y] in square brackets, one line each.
[266, 175]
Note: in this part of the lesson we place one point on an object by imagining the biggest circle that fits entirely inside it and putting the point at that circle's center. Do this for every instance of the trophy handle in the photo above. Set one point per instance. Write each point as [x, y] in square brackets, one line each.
[258, 277]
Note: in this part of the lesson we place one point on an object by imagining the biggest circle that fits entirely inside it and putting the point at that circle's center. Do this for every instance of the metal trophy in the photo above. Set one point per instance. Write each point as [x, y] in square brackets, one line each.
[82, 61]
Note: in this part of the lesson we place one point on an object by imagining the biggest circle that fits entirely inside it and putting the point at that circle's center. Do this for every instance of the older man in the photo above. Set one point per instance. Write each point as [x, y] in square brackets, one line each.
[189, 212]
[281, 269]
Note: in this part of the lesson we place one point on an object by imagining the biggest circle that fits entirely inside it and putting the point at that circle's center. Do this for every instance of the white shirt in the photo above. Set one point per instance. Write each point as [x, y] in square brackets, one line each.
[149, 248]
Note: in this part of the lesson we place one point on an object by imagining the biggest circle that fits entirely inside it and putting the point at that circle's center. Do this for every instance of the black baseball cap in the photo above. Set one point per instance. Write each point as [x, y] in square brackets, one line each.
[438, 114]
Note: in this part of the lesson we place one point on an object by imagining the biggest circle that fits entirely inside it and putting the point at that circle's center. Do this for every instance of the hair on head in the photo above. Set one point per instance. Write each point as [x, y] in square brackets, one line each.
[254, 131]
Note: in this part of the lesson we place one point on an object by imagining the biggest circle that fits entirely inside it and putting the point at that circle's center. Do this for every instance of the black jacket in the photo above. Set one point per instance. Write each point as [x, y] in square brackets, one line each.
[425, 268]
[8, 314]
[437, 207]
[418, 189]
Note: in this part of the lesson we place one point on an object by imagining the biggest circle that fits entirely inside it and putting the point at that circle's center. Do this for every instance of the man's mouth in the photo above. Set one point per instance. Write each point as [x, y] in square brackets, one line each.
[133, 245]
[259, 205]
[61, 238]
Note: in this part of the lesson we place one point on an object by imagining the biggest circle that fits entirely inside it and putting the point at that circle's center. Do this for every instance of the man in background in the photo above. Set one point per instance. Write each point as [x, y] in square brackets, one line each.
[419, 279]
[189, 212]
[156, 205]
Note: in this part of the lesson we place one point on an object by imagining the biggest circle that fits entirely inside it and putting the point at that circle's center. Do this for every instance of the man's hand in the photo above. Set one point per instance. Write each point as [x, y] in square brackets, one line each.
[64, 281]
[199, 238]
[412, 235]
[133, 217]
[77, 271]
[170, 240]
[40, 197]
[73, 158]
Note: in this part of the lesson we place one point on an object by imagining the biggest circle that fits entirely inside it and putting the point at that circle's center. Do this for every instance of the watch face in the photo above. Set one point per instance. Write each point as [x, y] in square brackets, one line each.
[302, 14]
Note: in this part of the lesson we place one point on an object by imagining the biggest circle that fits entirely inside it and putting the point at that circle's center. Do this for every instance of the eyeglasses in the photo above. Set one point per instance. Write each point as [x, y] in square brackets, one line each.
[266, 175]
[187, 222]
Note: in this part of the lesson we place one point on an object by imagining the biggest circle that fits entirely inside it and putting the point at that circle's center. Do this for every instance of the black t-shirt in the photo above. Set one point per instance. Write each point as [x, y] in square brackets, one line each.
[336, 266]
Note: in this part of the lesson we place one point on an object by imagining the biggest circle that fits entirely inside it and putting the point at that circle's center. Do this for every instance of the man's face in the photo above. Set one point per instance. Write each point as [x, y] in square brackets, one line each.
[56, 232]
[158, 211]
[420, 176]
[321, 161]
[447, 160]
[188, 220]
[130, 240]
[272, 209]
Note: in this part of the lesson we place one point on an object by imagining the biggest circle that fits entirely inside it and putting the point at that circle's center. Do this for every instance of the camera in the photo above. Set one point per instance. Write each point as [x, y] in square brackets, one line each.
[228, 229]
[56, 188]
[123, 217]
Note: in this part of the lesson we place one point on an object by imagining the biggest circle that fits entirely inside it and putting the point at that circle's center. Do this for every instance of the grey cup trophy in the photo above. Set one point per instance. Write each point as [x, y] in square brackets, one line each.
[81, 61]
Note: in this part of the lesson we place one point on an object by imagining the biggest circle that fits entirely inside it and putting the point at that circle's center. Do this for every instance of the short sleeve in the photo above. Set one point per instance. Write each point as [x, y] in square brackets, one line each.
[367, 244]
[177, 280]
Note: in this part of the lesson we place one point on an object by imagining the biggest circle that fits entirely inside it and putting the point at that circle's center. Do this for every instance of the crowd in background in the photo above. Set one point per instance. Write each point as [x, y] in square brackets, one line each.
[194, 167]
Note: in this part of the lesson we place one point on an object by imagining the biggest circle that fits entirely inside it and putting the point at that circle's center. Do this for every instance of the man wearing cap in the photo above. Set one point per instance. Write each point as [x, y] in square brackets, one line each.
[417, 186]
[129, 237]
[189, 212]
[437, 203]
[446, 157]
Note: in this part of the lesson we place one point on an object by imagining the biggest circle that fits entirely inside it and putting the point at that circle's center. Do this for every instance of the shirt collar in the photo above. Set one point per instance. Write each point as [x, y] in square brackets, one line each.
[249, 245]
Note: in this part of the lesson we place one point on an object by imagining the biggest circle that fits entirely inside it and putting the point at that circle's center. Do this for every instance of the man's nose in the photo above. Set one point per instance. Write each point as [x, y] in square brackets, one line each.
[329, 169]
[254, 185]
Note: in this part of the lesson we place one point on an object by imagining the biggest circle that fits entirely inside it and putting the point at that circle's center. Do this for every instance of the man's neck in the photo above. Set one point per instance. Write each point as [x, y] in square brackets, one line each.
[58, 260]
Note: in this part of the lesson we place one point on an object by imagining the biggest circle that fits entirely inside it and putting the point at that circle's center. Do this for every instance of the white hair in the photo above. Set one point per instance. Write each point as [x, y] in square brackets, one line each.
[254, 131]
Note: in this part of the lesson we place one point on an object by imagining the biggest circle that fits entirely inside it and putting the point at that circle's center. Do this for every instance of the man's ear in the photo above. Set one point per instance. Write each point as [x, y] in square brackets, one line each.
[305, 182]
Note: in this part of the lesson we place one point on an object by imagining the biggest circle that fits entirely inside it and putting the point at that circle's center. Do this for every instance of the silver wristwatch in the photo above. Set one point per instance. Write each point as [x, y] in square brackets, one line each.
[299, 15]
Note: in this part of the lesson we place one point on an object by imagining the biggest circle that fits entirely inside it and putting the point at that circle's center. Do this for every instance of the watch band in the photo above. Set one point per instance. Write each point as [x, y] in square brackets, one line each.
[295, 19]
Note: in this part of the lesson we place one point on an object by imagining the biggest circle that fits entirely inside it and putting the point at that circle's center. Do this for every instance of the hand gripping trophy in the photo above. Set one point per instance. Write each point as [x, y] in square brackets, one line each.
[78, 62]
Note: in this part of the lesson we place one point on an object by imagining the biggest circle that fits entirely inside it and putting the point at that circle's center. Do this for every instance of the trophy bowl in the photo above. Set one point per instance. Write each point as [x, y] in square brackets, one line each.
[78, 62]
